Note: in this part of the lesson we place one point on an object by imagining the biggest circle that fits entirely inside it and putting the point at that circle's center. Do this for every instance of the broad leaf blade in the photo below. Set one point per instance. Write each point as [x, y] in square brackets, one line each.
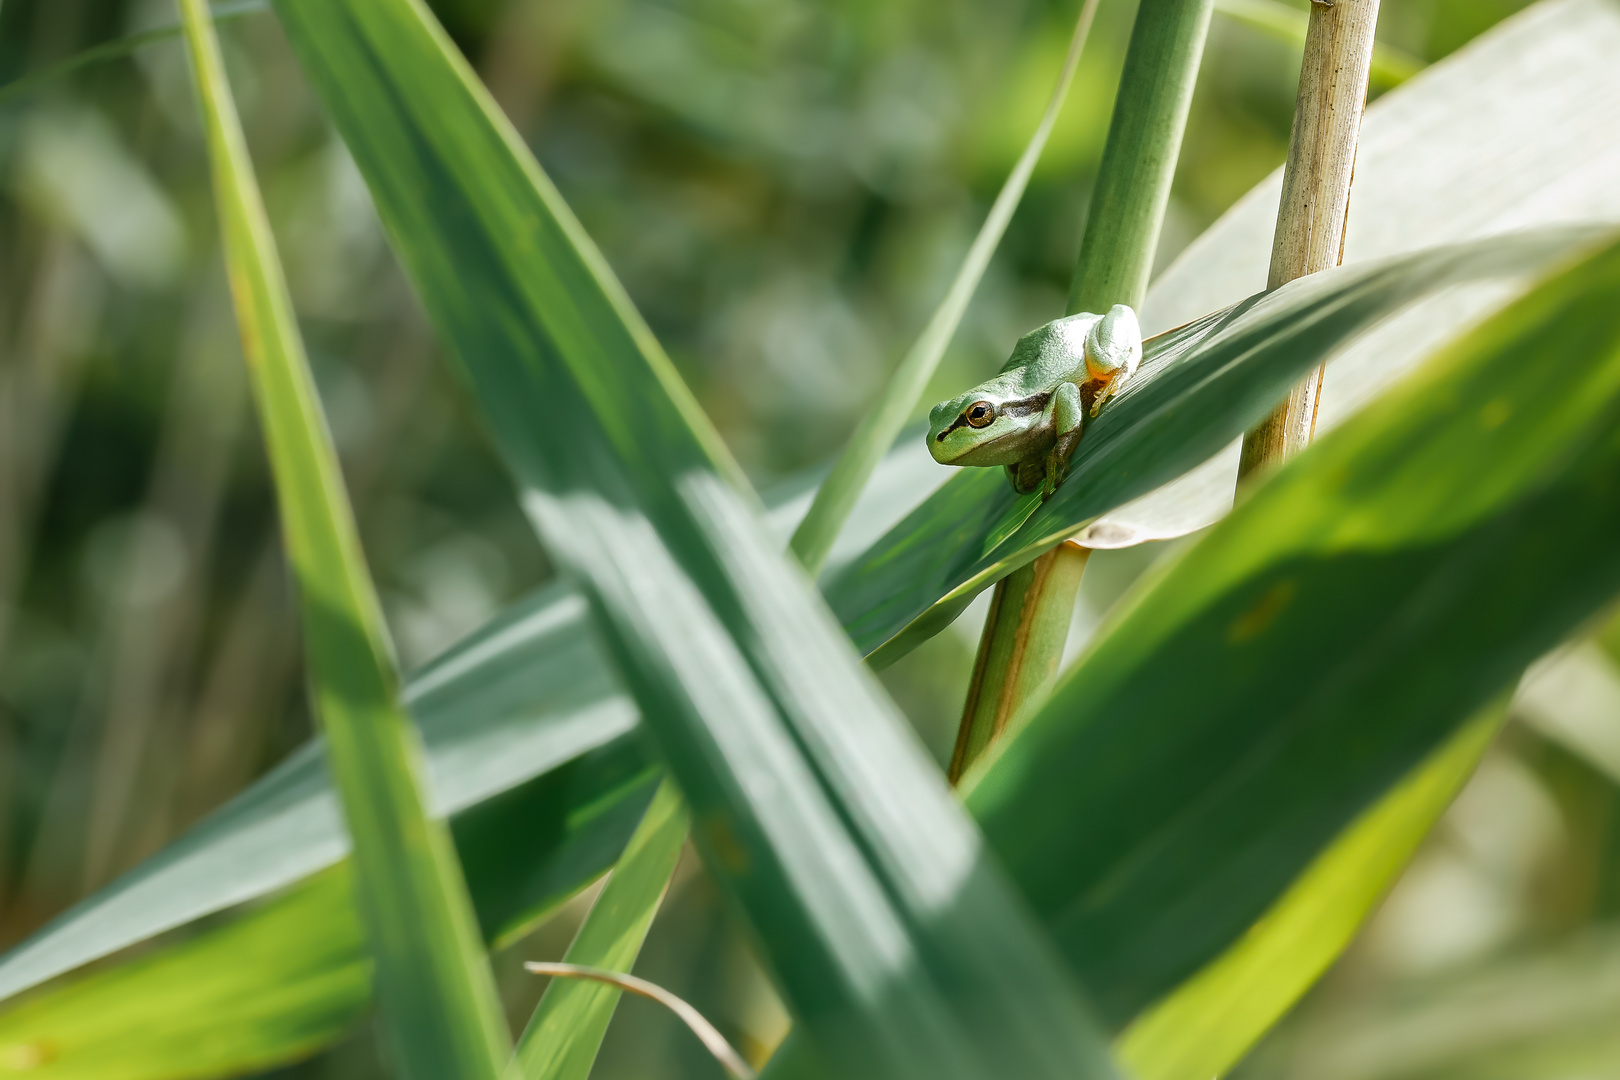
[1211, 1020]
[1325, 637]
[436, 986]
[565, 1032]
[1207, 1024]
[900, 947]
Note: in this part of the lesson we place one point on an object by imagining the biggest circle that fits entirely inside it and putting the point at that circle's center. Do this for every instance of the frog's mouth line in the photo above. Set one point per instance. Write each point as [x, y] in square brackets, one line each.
[989, 446]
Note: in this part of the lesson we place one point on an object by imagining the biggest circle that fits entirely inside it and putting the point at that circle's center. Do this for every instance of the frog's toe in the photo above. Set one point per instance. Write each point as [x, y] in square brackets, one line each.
[1108, 391]
[1057, 467]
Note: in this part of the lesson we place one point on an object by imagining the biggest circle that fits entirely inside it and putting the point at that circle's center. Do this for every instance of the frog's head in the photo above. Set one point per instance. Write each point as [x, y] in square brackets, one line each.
[984, 427]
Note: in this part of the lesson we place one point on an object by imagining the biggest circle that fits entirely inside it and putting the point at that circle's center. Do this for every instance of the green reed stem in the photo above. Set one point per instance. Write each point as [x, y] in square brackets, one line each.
[1019, 656]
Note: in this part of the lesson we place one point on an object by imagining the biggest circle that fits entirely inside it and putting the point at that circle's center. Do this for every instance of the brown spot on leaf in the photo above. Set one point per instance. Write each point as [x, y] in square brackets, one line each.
[1271, 604]
[26, 1057]
[725, 845]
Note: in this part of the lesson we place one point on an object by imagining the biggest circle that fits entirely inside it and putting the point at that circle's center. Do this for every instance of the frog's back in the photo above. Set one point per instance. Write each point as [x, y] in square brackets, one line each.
[1052, 352]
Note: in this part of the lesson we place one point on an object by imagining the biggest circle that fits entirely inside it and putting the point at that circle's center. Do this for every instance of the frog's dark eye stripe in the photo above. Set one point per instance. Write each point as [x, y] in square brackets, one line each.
[1018, 407]
[1024, 406]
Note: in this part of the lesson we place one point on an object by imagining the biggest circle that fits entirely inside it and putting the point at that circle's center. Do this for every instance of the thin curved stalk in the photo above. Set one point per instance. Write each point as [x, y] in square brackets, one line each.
[712, 1040]
[564, 1034]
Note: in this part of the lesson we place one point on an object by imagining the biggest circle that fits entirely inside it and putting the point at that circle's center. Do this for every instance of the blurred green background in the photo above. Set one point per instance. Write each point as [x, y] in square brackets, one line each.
[785, 188]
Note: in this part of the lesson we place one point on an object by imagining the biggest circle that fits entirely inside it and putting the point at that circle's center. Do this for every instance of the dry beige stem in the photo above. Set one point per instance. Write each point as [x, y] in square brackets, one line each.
[1316, 192]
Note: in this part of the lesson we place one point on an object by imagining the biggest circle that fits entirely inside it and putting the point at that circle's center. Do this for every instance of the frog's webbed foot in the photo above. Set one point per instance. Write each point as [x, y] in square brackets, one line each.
[1068, 422]
[1105, 392]
[1027, 475]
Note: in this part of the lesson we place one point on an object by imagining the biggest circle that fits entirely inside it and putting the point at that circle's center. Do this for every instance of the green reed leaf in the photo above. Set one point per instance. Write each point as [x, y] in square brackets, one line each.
[435, 984]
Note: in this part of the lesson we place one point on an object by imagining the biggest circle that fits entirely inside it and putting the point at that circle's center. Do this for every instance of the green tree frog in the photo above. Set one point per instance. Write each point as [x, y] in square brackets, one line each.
[1029, 418]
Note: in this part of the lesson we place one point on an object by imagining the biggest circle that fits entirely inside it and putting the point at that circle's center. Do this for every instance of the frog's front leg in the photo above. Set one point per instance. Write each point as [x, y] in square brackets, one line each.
[1068, 422]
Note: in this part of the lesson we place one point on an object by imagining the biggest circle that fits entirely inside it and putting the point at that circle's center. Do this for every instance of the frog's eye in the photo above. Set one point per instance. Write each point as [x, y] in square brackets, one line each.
[981, 413]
